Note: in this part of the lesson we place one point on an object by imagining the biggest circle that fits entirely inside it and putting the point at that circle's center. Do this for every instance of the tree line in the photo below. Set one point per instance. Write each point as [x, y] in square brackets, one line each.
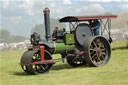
[6, 37]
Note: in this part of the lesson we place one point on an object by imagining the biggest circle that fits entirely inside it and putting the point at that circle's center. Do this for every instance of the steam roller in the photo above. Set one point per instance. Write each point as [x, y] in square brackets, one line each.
[79, 47]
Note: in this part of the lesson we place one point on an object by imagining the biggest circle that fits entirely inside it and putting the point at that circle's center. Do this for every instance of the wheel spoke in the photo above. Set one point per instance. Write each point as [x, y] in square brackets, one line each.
[92, 52]
[42, 67]
[95, 44]
[92, 49]
[91, 46]
[103, 53]
[102, 57]
[103, 49]
[93, 56]
[96, 59]
[33, 57]
[99, 43]
[99, 59]
[33, 66]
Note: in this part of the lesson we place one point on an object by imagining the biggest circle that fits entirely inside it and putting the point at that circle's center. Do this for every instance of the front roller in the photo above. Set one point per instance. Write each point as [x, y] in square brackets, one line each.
[32, 63]
[99, 51]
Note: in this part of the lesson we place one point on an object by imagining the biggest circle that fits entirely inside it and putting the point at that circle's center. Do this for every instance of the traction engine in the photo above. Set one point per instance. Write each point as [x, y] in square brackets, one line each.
[79, 47]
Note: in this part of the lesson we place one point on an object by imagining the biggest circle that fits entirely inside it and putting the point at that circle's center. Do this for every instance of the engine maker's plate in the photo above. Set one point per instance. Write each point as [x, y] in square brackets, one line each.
[82, 33]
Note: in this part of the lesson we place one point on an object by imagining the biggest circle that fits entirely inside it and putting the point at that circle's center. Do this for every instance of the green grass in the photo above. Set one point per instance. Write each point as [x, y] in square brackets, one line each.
[114, 73]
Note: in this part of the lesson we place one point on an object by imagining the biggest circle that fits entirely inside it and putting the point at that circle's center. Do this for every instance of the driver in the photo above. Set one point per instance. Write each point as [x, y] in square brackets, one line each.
[95, 25]
[55, 32]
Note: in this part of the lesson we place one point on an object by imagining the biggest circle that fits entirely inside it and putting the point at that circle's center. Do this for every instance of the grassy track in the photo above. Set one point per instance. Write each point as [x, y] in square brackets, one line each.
[114, 73]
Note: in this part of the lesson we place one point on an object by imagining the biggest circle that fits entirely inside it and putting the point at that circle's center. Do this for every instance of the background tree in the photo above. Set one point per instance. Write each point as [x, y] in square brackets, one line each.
[6, 37]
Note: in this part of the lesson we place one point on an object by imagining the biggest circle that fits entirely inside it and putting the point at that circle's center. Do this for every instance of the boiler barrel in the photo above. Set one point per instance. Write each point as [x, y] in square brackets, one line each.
[63, 48]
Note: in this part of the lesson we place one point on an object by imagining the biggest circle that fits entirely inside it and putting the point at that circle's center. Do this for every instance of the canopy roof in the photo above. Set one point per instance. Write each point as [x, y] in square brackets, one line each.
[85, 18]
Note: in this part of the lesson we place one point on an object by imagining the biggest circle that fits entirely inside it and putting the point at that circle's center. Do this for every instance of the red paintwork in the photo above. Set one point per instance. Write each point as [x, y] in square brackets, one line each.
[44, 62]
[42, 52]
[81, 53]
[92, 18]
[86, 18]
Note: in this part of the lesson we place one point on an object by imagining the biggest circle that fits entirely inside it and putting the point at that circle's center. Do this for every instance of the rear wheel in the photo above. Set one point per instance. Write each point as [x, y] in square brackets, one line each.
[28, 58]
[99, 51]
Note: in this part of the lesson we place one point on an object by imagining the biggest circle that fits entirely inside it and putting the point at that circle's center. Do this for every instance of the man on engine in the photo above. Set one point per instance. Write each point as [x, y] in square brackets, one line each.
[95, 25]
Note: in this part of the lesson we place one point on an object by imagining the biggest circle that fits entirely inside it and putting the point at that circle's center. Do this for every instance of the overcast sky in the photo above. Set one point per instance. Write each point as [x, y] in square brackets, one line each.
[19, 16]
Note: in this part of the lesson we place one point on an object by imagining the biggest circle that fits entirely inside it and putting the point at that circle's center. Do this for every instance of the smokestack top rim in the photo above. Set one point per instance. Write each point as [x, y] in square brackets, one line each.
[46, 10]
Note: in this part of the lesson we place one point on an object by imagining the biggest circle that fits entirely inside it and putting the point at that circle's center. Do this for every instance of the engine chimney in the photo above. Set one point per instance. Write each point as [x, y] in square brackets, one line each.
[47, 24]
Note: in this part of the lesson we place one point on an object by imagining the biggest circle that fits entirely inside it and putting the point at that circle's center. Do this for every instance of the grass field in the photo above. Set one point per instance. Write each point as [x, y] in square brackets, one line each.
[114, 73]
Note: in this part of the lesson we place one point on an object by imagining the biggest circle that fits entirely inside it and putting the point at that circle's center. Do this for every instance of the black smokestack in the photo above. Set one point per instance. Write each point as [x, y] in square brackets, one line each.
[47, 23]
